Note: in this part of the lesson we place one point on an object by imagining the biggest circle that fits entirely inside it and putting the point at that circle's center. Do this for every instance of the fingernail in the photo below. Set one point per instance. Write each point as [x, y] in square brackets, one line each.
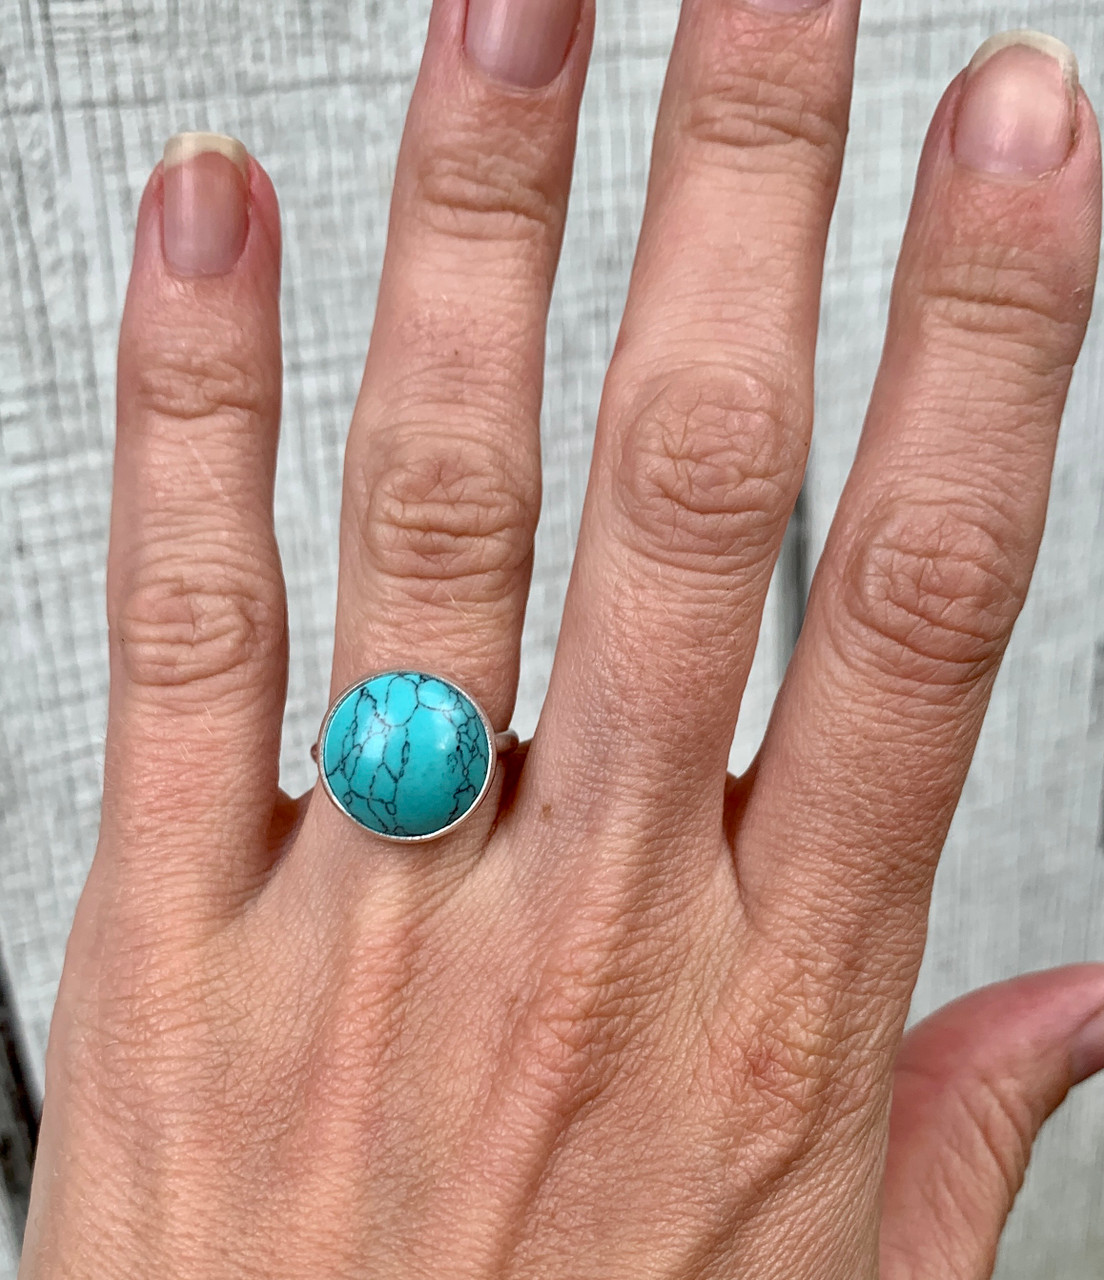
[1015, 116]
[206, 204]
[521, 42]
[1087, 1053]
[785, 6]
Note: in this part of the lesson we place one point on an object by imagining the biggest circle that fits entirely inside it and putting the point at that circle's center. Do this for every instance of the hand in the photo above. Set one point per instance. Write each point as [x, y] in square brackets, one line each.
[634, 1018]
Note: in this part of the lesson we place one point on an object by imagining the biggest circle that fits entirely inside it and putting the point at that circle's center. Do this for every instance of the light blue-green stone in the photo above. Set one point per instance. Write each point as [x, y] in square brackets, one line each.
[405, 754]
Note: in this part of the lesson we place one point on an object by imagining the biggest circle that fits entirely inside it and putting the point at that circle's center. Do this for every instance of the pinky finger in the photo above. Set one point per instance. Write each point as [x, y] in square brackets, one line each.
[974, 1083]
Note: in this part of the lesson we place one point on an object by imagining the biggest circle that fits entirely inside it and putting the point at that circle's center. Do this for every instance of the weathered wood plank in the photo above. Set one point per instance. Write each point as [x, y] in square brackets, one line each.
[18, 1121]
[9, 1251]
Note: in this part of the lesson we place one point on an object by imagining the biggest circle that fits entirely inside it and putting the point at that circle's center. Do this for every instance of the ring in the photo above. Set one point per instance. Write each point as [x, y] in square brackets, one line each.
[407, 754]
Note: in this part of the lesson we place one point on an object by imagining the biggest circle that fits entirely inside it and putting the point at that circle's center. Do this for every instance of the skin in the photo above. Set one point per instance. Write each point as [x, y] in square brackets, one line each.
[636, 1017]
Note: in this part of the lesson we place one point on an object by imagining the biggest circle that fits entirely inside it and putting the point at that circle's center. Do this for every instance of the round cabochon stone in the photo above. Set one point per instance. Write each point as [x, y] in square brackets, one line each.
[405, 754]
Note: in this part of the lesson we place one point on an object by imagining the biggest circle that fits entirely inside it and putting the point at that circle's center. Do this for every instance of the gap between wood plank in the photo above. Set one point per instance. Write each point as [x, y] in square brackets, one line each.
[19, 1111]
[793, 573]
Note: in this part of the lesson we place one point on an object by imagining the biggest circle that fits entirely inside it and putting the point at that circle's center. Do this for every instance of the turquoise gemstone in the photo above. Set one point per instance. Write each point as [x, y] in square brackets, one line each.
[405, 754]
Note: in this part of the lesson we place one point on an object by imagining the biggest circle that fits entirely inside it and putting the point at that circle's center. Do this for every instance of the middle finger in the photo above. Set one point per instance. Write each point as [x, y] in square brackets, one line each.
[706, 415]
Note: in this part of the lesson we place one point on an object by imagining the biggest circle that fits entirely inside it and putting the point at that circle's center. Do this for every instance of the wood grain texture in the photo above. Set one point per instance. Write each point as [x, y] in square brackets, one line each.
[9, 1255]
[90, 90]
[18, 1121]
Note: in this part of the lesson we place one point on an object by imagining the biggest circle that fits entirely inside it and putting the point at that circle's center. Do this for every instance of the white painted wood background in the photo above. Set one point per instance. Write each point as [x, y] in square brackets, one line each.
[90, 88]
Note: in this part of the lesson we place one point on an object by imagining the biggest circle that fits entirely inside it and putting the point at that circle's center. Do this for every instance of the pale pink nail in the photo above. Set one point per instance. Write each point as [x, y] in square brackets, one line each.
[1015, 116]
[521, 42]
[206, 205]
[785, 6]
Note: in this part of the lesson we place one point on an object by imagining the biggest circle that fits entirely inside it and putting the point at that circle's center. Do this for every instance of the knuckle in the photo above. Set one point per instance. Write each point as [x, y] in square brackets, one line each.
[933, 592]
[780, 1068]
[794, 1051]
[152, 1027]
[810, 1050]
[1003, 294]
[784, 1070]
[707, 470]
[472, 187]
[188, 622]
[437, 510]
[738, 114]
[573, 1032]
[189, 381]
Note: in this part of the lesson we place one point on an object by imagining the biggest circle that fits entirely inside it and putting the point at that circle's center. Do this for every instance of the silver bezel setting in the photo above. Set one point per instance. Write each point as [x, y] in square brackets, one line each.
[488, 729]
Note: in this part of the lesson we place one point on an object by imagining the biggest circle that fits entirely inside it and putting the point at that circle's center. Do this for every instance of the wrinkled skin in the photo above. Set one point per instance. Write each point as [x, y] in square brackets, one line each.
[635, 1018]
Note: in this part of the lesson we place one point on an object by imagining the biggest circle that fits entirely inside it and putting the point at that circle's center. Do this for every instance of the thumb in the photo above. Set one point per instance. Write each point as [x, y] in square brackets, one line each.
[973, 1085]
